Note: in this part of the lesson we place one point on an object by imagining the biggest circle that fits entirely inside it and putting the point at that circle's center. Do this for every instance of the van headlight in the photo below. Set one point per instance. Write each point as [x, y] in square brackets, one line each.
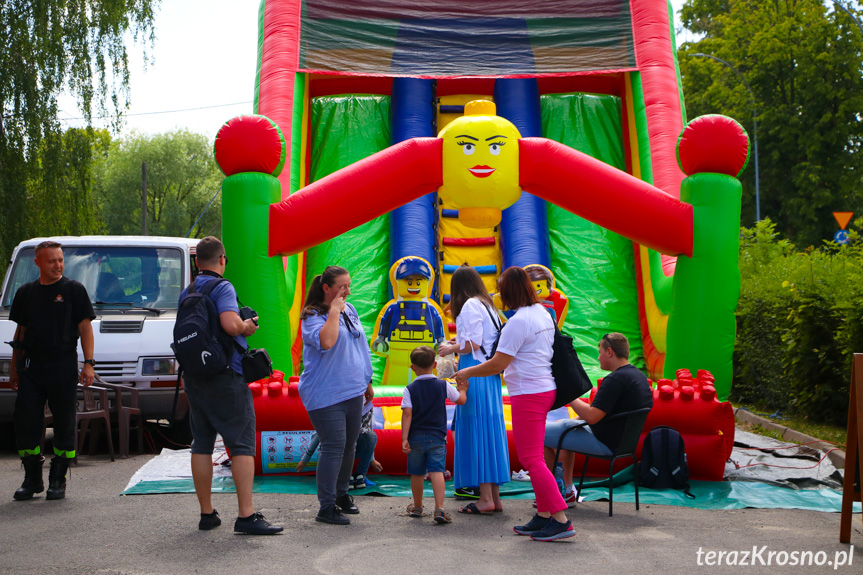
[159, 366]
[5, 367]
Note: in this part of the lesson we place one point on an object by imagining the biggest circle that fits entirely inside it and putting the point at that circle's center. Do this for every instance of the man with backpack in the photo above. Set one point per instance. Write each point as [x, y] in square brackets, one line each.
[219, 398]
[625, 389]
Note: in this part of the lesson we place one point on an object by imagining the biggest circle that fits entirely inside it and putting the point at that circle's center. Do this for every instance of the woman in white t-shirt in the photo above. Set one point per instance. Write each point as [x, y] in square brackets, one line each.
[479, 432]
[524, 356]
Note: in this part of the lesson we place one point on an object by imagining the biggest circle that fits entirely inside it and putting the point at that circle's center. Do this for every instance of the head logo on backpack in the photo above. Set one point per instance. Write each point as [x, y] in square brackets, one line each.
[200, 344]
[663, 461]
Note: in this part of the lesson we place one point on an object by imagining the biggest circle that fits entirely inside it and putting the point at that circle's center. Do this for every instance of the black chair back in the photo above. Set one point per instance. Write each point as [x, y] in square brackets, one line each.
[631, 430]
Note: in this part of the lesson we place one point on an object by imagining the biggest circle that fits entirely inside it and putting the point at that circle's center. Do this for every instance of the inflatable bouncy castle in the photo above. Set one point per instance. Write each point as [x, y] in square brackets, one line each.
[369, 113]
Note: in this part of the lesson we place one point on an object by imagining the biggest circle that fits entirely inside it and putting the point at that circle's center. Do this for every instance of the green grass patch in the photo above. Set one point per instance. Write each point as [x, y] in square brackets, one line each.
[800, 423]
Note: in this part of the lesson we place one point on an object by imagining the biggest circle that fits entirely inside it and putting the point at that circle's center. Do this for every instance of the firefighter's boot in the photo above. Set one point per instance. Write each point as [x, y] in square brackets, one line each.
[57, 478]
[32, 478]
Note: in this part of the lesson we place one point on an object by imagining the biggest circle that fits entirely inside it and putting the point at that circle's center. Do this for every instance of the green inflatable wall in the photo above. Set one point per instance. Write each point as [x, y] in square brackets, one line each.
[346, 129]
[594, 267]
[258, 278]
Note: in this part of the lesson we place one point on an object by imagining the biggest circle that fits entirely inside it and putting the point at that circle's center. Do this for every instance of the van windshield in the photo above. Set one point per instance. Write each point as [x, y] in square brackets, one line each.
[115, 276]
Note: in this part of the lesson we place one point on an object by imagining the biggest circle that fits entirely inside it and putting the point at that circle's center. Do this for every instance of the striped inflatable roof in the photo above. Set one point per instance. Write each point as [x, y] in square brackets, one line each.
[446, 38]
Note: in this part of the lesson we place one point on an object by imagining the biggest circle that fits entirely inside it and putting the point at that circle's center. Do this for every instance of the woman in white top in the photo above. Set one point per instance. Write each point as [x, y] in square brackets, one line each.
[524, 356]
[481, 451]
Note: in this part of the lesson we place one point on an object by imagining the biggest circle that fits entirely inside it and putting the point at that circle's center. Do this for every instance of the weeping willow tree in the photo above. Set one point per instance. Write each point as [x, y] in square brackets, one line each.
[46, 47]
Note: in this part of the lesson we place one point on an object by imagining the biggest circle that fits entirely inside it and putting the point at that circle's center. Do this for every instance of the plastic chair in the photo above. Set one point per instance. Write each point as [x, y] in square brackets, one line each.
[628, 443]
[89, 409]
[126, 409]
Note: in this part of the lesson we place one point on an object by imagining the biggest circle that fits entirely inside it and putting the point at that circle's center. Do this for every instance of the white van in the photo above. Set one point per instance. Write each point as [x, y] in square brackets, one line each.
[134, 283]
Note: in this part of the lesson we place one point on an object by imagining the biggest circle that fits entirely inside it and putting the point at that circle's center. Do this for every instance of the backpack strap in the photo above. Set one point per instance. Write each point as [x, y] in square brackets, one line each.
[682, 456]
[205, 291]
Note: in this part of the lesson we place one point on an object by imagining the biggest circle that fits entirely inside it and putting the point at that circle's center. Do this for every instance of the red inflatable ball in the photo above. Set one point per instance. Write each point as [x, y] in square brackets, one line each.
[715, 144]
[250, 144]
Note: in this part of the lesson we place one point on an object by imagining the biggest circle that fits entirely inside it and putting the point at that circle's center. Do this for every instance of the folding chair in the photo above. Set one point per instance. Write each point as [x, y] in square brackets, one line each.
[628, 443]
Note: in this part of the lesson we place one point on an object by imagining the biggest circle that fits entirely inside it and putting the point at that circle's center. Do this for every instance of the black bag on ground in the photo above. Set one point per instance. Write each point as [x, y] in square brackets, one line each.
[663, 461]
[569, 375]
[200, 344]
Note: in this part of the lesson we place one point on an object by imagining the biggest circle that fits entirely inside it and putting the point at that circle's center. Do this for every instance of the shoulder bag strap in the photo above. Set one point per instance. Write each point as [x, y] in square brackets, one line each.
[498, 326]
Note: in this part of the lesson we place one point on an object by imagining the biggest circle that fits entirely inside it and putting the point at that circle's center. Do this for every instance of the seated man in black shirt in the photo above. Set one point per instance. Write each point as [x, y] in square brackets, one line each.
[625, 389]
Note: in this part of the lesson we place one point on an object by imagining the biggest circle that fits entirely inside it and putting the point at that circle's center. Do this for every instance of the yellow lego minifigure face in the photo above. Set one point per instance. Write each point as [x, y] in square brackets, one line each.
[542, 288]
[412, 287]
[480, 163]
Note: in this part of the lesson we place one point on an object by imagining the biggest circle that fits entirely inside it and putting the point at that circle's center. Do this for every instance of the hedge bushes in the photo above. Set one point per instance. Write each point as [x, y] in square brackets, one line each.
[799, 321]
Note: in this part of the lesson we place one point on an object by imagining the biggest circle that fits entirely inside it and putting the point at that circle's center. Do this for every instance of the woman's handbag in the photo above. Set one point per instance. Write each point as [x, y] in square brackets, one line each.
[569, 375]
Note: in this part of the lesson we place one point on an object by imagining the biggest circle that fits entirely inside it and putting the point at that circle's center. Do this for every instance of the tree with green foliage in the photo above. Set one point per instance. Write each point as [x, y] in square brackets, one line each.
[182, 179]
[803, 60]
[60, 199]
[47, 46]
[799, 322]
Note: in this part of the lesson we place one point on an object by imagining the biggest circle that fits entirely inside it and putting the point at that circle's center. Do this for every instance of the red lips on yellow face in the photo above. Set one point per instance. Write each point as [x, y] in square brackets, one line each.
[481, 171]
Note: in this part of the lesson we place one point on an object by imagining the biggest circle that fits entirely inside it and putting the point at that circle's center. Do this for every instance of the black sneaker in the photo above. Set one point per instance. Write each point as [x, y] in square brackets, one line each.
[332, 514]
[209, 521]
[467, 493]
[358, 482]
[554, 530]
[255, 524]
[535, 525]
[346, 504]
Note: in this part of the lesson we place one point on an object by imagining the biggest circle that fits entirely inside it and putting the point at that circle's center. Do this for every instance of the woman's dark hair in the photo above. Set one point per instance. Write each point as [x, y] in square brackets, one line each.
[466, 283]
[515, 288]
[315, 298]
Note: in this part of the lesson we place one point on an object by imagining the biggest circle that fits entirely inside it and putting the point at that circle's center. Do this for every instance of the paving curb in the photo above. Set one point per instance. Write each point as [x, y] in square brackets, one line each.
[837, 457]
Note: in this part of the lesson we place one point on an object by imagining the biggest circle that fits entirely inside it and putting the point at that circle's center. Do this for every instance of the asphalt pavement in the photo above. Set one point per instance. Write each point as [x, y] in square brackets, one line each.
[96, 530]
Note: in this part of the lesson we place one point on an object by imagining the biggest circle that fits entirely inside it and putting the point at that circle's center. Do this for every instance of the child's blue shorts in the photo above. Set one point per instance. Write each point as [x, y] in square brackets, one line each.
[428, 454]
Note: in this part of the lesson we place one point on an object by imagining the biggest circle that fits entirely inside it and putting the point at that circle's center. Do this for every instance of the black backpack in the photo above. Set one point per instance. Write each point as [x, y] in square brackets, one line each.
[663, 461]
[200, 344]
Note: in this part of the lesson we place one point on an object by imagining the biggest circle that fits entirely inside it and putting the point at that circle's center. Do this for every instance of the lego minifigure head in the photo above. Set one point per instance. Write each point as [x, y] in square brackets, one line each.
[541, 279]
[413, 277]
[480, 165]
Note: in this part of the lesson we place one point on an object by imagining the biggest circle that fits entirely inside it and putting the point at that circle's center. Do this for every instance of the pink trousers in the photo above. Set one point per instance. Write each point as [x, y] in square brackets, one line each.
[529, 413]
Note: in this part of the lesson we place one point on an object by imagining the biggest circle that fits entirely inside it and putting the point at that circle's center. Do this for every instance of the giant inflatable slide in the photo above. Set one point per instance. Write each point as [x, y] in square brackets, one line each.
[348, 161]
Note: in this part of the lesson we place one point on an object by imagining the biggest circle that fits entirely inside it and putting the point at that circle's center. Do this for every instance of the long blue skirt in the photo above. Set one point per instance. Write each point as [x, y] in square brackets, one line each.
[481, 450]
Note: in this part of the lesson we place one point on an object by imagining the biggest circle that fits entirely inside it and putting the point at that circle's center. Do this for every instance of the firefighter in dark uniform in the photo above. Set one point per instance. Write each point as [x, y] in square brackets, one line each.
[51, 313]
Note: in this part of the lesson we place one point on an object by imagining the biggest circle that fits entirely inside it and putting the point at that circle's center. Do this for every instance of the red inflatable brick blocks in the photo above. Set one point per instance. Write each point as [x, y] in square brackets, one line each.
[690, 406]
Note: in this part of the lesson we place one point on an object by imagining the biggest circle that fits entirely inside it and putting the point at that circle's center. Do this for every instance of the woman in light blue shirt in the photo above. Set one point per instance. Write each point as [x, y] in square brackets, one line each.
[335, 381]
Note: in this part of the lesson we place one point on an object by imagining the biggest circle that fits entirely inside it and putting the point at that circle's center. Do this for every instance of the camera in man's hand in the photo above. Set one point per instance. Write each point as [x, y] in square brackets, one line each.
[248, 313]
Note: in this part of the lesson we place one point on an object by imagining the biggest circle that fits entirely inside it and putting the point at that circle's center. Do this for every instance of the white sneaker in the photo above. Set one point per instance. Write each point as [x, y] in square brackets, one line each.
[520, 476]
[571, 498]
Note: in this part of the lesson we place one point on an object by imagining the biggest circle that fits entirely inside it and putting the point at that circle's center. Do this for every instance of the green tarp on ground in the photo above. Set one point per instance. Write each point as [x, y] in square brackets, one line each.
[708, 494]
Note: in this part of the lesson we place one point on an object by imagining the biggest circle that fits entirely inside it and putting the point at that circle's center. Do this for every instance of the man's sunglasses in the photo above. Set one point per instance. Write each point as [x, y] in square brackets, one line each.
[609, 344]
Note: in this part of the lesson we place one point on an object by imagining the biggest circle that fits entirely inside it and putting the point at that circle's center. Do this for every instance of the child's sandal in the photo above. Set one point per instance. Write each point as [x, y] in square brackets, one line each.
[441, 516]
[414, 511]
